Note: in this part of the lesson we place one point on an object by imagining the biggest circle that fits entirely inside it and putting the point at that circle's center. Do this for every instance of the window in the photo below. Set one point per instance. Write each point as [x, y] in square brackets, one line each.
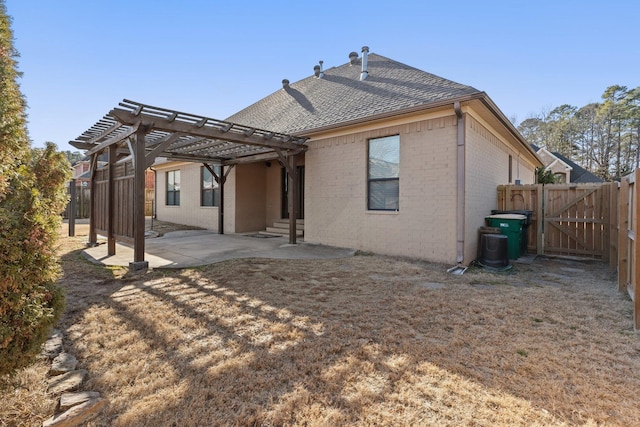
[561, 178]
[209, 193]
[383, 174]
[173, 188]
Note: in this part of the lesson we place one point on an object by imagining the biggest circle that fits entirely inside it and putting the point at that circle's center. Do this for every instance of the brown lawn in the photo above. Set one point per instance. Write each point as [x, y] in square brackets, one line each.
[368, 340]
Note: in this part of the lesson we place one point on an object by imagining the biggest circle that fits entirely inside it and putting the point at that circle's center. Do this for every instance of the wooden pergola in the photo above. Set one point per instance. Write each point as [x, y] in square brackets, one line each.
[135, 134]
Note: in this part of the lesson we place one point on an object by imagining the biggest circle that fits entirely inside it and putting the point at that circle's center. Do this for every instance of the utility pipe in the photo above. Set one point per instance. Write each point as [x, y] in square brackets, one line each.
[460, 190]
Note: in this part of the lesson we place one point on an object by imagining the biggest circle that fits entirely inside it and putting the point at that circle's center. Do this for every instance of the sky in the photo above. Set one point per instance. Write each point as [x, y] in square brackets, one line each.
[79, 58]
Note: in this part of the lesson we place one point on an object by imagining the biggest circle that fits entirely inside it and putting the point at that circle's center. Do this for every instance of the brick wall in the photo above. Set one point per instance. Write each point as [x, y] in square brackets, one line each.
[487, 166]
[189, 212]
[336, 192]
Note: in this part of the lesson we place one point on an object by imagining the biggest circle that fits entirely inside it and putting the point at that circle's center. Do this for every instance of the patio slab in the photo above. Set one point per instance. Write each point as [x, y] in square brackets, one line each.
[192, 248]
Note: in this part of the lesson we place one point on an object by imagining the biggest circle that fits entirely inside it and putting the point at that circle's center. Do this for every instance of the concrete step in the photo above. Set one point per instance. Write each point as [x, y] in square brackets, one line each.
[284, 223]
[283, 231]
[282, 235]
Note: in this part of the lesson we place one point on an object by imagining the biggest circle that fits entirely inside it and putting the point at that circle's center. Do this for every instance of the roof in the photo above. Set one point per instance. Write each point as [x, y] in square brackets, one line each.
[311, 102]
[579, 175]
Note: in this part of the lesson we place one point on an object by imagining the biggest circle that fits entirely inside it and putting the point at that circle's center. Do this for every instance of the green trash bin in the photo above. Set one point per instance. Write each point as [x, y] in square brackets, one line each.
[511, 226]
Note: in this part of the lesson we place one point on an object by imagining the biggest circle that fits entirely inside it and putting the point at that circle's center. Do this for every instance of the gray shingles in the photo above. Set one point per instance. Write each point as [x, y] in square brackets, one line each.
[340, 96]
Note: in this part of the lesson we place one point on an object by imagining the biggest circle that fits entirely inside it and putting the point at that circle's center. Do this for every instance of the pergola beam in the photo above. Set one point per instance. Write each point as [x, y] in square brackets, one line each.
[114, 139]
[211, 132]
[159, 148]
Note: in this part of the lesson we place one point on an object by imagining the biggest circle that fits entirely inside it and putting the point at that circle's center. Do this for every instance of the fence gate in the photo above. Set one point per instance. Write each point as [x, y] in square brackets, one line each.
[567, 219]
[576, 220]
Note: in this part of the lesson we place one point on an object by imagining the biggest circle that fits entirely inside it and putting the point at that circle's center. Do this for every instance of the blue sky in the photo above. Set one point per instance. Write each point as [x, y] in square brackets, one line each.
[81, 57]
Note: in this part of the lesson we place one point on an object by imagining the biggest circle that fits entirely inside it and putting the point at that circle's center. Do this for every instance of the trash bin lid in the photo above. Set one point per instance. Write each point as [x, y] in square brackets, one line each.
[507, 216]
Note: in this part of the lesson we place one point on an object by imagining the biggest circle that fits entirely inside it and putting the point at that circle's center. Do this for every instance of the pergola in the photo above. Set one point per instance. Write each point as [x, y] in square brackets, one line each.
[135, 134]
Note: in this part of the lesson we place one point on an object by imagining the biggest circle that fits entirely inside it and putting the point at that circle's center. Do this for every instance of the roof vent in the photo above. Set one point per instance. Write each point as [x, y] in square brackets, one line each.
[285, 84]
[365, 53]
[353, 57]
[317, 70]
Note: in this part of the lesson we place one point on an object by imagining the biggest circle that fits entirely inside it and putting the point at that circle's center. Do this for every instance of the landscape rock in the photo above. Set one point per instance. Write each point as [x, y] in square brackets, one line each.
[77, 415]
[53, 346]
[64, 362]
[67, 400]
[66, 382]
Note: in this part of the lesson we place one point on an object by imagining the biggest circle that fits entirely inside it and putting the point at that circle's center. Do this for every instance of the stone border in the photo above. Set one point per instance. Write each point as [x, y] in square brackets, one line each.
[74, 407]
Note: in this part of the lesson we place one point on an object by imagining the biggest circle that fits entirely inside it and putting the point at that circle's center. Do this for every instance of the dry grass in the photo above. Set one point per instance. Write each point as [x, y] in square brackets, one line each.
[363, 341]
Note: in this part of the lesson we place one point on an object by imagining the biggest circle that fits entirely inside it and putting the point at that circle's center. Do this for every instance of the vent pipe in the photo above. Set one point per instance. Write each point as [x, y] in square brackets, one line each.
[353, 57]
[365, 53]
[317, 70]
[285, 84]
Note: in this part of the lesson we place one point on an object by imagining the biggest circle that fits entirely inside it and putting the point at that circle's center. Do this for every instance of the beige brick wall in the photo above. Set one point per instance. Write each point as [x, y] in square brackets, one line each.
[336, 192]
[487, 166]
[250, 197]
[189, 212]
[274, 190]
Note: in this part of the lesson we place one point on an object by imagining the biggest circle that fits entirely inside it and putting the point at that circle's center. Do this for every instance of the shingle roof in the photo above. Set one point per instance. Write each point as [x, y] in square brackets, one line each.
[579, 175]
[340, 97]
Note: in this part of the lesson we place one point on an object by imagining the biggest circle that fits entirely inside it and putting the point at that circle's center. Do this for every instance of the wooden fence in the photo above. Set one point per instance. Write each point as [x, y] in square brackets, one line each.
[567, 219]
[628, 247]
[588, 220]
[122, 201]
[82, 202]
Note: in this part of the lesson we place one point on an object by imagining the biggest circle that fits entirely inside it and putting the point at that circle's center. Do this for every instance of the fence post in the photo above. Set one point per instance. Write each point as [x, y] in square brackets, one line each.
[72, 208]
[540, 218]
[635, 279]
[623, 232]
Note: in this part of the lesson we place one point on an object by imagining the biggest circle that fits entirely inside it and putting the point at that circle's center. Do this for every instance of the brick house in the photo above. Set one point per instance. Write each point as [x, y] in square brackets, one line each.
[399, 162]
[565, 170]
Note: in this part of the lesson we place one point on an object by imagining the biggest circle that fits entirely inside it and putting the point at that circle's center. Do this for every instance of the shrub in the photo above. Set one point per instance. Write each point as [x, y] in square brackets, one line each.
[30, 212]
[32, 196]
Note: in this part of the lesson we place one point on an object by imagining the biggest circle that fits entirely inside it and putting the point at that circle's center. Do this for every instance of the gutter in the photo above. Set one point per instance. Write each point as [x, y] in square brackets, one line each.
[507, 123]
[481, 96]
[460, 189]
[307, 133]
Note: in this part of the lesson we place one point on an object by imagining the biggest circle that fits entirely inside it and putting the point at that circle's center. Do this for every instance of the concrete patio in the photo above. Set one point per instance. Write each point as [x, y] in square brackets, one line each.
[191, 248]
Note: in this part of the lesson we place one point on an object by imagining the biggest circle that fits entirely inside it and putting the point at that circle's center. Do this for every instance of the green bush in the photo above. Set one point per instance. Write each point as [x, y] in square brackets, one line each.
[32, 196]
[545, 176]
[30, 212]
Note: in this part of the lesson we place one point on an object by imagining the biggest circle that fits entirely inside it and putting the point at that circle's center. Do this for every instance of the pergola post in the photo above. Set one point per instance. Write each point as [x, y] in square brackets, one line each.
[221, 182]
[93, 236]
[292, 173]
[139, 165]
[111, 208]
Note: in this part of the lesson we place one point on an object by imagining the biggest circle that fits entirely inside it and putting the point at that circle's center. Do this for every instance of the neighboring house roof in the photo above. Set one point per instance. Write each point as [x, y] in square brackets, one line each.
[340, 97]
[578, 175]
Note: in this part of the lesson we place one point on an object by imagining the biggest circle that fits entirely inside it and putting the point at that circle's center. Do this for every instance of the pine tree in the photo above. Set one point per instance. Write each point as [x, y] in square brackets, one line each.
[32, 195]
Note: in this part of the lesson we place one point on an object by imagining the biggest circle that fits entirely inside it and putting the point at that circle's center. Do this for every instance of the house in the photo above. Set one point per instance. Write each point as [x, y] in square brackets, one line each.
[398, 161]
[564, 169]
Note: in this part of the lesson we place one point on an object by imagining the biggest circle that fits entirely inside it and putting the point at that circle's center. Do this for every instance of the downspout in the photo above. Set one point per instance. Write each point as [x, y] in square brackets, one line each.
[460, 190]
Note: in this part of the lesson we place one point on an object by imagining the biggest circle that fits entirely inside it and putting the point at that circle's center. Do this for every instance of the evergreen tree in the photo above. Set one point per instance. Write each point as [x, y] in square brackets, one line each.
[32, 196]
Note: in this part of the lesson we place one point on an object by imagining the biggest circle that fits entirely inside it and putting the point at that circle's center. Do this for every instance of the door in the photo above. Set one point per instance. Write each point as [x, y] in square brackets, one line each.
[285, 191]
